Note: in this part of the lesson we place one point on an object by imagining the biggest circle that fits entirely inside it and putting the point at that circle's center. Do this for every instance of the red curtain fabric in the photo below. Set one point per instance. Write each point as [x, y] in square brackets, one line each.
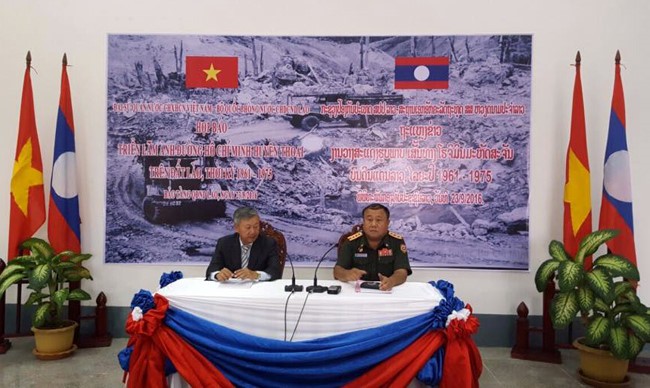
[154, 341]
[400, 369]
[462, 367]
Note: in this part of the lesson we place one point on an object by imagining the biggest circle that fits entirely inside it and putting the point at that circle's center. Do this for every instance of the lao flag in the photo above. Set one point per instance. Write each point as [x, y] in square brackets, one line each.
[211, 72]
[63, 224]
[616, 205]
[27, 203]
[421, 72]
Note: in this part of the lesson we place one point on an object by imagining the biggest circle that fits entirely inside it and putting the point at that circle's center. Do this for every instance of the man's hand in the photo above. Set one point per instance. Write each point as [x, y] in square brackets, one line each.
[245, 273]
[398, 277]
[348, 275]
[355, 274]
[224, 274]
[387, 283]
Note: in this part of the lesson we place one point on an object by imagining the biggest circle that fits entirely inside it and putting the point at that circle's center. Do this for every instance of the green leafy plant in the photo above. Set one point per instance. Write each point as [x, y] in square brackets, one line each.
[47, 274]
[614, 317]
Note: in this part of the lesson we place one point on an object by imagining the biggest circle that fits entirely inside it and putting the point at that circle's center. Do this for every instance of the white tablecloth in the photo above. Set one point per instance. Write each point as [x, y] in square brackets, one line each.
[260, 309]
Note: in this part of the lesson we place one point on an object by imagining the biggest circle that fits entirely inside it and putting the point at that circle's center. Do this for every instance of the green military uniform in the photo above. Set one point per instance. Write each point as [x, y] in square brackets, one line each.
[389, 256]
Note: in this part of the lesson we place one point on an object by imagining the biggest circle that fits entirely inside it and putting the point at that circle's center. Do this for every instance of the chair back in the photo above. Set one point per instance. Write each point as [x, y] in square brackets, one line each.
[268, 230]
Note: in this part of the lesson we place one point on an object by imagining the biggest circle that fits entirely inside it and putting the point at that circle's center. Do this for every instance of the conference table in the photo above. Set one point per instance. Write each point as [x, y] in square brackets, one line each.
[259, 308]
[257, 334]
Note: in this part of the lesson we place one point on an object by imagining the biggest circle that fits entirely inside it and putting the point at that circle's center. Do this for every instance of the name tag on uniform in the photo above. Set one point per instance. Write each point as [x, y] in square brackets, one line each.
[385, 252]
[360, 255]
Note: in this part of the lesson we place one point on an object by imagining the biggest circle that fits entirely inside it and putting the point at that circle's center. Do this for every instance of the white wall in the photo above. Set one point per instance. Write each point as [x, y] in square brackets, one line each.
[560, 27]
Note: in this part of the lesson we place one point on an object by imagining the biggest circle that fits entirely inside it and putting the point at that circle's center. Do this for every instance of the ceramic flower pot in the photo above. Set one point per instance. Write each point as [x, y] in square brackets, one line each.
[600, 365]
[52, 344]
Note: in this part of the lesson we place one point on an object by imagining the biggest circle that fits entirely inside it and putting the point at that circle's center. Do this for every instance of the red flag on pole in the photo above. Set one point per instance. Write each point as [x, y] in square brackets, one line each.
[577, 183]
[27, 203]
[616, 205]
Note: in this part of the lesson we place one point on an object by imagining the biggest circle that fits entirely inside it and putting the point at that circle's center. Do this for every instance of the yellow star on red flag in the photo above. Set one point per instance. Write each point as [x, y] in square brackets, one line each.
[24, 177]
[576, 192]
[211, 73]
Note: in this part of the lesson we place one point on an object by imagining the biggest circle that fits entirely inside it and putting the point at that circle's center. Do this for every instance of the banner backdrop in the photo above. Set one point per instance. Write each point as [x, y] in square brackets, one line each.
[309, 130]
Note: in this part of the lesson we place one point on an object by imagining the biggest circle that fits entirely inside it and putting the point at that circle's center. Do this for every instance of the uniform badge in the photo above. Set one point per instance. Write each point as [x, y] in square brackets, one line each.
[403, 248]
[360, 255]
[355, 236]
[385, 252]
[360, 248]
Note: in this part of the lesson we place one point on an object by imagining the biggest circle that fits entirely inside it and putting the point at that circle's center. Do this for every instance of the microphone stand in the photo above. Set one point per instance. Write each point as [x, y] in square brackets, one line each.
[316, 288]
[293, 286]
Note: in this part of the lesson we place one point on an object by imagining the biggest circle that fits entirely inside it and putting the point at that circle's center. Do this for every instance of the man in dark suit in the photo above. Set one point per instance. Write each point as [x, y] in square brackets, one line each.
[246, 254]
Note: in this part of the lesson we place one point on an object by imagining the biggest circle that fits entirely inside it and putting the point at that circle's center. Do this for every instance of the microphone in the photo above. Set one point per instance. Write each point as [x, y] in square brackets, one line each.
[316, 288]
[293, 286]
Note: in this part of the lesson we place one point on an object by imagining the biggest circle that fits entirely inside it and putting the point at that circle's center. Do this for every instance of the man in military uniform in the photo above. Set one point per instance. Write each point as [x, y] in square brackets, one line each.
[374, 253]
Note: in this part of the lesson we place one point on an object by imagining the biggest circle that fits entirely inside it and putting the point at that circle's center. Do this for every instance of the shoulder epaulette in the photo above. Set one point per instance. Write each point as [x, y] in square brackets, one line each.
[355, 236]
[397, 236]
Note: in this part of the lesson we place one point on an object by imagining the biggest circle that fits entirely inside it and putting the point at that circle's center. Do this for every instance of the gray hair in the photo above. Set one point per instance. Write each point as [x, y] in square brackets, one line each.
[244, 213]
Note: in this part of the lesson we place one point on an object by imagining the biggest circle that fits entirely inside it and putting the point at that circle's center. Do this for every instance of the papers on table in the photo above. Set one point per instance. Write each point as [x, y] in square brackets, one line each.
[373, 291]
[237, 283]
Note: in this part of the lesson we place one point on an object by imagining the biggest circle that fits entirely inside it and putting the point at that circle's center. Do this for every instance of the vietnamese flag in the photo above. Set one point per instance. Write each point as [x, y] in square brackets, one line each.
[27, 202]
[211, 72]
[577, 183]
[616, 205]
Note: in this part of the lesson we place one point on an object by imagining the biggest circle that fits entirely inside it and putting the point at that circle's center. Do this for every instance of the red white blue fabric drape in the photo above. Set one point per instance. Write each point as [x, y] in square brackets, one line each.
[437, 345]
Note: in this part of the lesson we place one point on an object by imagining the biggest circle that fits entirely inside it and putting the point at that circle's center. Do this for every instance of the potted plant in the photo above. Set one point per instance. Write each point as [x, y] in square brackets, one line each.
[48, 274]
[617, 324]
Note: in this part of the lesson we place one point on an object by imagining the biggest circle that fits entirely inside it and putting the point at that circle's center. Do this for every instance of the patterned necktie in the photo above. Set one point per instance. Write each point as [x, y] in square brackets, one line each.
[245, 254]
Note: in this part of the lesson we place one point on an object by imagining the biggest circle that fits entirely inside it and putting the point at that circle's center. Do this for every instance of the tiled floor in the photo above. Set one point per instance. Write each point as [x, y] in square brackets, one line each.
[99, 368]
[502, 371]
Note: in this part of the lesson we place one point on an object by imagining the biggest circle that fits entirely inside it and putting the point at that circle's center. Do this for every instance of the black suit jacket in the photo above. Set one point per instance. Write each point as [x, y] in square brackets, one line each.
[263, 257]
